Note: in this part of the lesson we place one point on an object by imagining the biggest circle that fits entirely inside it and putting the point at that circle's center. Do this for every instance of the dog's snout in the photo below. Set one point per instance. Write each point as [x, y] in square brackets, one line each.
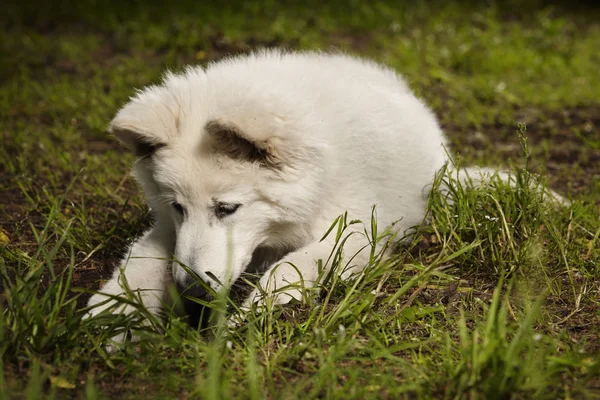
[190, 287]
[189, 290]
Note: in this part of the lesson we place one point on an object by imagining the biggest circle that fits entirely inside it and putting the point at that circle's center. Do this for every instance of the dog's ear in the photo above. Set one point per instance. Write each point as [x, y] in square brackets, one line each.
[146, 123]
[141, 143]
[230, 140]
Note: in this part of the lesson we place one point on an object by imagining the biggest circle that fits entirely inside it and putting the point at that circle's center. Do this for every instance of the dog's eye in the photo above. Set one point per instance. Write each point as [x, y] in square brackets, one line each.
[224, 209]
[178, 207]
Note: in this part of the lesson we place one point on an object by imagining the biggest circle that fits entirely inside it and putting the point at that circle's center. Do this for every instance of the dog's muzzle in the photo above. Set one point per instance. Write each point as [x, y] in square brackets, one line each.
[192, 289]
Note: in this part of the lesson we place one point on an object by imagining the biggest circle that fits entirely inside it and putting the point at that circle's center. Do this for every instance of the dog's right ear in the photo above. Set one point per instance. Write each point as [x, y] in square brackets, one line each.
[141, 143]
[145, 124]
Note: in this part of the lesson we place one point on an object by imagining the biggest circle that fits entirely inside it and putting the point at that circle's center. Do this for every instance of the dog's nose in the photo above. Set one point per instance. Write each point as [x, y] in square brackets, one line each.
[191, 289]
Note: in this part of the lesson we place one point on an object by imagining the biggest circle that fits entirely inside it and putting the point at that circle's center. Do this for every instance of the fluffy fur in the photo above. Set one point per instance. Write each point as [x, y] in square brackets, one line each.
[257, 155]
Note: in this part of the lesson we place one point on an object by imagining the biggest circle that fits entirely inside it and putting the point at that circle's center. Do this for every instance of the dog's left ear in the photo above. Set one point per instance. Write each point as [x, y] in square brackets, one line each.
[232, 141]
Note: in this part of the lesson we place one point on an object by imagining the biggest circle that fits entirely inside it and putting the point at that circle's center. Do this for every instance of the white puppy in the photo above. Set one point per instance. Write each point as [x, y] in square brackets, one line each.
[254, 157]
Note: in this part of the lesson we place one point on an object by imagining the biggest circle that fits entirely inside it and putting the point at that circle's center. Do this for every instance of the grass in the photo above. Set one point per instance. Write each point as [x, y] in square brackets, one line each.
[496, 297]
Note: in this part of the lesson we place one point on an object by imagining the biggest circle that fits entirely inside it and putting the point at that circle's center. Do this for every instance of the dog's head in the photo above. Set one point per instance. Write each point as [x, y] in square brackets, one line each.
[225, 169]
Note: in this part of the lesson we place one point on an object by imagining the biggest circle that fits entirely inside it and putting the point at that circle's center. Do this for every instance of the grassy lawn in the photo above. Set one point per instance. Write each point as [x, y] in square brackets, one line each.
[497, 297]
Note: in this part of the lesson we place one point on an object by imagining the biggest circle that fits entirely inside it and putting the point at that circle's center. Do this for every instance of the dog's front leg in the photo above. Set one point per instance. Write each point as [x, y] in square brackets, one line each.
[144, 270]
[298, 270]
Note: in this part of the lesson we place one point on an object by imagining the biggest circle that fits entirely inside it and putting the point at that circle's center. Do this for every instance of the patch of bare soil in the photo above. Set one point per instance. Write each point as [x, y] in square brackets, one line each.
[565, 143]
[108, 226]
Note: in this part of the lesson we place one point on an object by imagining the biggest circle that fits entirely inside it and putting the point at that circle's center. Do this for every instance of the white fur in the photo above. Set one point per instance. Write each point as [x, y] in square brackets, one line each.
[348, 134]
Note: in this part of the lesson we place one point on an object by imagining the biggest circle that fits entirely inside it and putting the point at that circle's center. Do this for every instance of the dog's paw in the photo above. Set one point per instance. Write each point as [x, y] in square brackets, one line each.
[113, 308]
[275, 289]
[279, 286]
[263, 299]
[258, 302]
